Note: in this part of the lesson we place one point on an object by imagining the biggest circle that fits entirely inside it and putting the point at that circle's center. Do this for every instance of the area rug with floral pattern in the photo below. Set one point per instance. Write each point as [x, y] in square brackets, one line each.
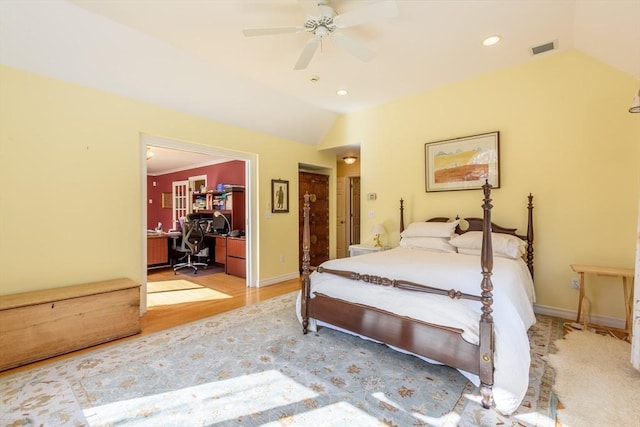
[254, 367]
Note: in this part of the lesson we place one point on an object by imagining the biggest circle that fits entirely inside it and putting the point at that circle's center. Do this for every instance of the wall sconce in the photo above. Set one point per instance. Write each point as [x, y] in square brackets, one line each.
[150, 153]
[635, 104]
[350, 159]
[377, 230]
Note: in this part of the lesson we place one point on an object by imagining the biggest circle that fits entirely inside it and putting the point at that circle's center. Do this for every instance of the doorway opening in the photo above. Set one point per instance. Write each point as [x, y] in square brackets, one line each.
[249, 201]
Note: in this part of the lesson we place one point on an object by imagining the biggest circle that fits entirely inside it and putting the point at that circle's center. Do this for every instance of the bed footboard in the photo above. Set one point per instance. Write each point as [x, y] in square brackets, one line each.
[435, 342]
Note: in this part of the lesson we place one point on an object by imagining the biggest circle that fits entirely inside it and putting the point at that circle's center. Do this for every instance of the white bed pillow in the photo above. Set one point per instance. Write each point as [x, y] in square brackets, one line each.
[436, 244]
[503, 244]
[430, 229]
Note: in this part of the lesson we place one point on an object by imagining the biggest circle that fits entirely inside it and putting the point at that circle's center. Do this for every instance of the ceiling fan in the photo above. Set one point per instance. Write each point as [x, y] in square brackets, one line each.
[323, 21]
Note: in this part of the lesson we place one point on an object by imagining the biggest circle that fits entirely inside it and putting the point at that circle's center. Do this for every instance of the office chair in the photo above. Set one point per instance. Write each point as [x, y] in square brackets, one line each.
[192, 245]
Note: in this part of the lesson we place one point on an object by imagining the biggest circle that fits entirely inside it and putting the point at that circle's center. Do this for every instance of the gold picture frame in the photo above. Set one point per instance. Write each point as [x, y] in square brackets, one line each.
[279, 196]
[462, 163]
[167, 200]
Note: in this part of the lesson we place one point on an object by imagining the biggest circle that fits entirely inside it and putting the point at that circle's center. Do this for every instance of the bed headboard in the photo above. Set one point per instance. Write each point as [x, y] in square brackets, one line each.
[475, 224]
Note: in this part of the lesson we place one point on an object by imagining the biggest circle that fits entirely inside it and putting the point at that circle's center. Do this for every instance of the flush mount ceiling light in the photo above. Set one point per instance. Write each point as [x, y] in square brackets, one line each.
[342, 92]
[491, 40]
[350, 159]
[150, 153]
[635, 104]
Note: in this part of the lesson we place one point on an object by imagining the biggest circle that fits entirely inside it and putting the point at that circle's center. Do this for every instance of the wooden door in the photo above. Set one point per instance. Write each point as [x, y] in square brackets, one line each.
[318, 187]
[342, 231]
[181, 202]
[354, 210]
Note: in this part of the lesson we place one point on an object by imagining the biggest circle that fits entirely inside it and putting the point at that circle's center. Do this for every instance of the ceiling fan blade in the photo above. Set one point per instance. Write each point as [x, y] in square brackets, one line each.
[372, 12]
[270, 31]
[310, 7]
[353, 46]
[307, 53]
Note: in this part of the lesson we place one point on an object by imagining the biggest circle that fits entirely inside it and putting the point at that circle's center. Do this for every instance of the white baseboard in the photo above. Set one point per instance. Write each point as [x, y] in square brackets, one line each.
[278, 279]
[612, 322]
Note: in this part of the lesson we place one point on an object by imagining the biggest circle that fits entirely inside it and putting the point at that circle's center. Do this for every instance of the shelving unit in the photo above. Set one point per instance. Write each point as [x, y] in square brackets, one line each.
[230, 203]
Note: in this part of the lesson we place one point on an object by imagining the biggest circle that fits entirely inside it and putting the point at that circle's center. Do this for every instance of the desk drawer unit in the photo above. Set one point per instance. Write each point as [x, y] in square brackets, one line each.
[221, 250]
[236, 257]
[157, 250]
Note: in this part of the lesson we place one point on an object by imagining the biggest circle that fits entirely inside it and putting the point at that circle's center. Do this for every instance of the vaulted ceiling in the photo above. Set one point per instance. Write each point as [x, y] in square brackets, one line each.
[193, 56]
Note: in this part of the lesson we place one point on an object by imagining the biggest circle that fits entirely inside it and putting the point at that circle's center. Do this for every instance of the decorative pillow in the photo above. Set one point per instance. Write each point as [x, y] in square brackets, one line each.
[504, 244]
[430, 229]
[436, 244]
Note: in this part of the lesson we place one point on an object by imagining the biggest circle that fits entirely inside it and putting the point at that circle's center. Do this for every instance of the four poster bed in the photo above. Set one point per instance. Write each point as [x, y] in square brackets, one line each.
[423, 298]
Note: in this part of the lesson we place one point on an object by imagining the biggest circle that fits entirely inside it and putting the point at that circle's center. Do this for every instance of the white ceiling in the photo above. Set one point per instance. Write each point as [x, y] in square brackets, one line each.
[191, 55]
[162, 160]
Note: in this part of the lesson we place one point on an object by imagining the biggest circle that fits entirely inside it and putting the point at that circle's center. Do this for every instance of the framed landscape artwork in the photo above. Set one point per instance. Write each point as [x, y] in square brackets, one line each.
[279, 196]
[463, 163]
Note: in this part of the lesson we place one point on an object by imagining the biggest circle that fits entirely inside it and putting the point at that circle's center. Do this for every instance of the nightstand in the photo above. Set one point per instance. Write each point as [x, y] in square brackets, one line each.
[365, 249]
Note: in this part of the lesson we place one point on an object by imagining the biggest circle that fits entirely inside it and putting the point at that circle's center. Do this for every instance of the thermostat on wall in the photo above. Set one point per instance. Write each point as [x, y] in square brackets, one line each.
[372, 196]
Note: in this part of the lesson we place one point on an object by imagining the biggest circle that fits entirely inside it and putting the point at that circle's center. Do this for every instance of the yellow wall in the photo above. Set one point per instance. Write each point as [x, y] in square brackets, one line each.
[565, 136]
[71, 182]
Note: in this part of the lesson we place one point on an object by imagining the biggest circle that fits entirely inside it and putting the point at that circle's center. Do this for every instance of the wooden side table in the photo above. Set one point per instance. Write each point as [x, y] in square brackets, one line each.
[612, 272]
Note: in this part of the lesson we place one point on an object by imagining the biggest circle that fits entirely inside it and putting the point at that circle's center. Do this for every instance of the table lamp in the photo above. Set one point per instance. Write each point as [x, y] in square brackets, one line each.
[217, 214]
[377, 230]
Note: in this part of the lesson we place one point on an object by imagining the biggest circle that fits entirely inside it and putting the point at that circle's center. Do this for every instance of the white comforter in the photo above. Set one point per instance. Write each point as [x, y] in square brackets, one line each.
[513, 297]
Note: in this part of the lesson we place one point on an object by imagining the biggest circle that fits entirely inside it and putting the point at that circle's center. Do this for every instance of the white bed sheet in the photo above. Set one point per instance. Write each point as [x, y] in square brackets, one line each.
[513, 297]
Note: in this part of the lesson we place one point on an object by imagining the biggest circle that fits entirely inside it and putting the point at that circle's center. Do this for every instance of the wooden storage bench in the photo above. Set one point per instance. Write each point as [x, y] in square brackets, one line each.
[41, 324]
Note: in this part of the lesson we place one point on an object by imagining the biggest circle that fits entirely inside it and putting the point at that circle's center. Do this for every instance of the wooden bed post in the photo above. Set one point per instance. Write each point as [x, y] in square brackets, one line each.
[486, 319]
[401, 215]
[530, 235]
[306, 259]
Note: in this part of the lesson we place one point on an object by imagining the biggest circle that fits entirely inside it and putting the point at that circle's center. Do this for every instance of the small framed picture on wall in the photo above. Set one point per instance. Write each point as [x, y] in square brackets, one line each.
[279, 196]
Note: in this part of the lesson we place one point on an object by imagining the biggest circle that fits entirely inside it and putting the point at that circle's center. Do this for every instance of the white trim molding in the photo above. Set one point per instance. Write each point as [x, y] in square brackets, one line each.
[278, 279]
[611, 322]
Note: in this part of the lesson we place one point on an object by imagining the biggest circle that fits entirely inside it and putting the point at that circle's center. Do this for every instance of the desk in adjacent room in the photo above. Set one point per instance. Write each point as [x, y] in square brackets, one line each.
[158, 248]
[230, 251]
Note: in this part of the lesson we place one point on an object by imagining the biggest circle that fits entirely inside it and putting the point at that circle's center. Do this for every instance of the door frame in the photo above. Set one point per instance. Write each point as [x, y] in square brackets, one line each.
[251, 194]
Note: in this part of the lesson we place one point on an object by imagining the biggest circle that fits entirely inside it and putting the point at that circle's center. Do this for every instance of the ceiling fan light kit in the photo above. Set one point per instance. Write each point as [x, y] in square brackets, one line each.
[323, 22]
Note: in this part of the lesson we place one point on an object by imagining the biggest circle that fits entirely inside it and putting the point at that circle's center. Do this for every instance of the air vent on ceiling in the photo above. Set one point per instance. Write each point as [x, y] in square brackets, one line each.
[537, 50]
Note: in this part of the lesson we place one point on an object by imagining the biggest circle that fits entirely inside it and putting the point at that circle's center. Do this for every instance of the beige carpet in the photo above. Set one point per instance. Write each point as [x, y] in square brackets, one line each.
[595, 381]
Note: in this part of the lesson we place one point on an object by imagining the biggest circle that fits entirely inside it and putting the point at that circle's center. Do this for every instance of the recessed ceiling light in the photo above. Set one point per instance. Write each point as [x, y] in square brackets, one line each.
[491, 40]
[342, 92]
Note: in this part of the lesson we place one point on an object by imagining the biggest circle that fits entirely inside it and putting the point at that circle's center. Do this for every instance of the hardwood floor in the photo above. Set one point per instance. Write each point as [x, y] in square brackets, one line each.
[182, 303]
